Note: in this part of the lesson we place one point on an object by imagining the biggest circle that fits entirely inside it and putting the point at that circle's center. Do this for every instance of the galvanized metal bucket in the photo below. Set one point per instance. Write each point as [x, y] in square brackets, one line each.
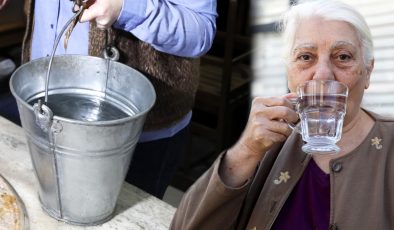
[81, 165]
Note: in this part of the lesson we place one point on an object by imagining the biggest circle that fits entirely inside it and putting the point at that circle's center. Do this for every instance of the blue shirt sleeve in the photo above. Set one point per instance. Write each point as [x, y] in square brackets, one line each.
[180, 27]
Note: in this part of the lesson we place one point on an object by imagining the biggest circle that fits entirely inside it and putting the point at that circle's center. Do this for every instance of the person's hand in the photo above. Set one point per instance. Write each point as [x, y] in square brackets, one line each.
[266, 126]
[2, 3]
[103, 12]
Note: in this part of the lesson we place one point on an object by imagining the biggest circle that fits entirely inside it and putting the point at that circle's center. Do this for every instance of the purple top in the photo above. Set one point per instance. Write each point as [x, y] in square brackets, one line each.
[308, 206]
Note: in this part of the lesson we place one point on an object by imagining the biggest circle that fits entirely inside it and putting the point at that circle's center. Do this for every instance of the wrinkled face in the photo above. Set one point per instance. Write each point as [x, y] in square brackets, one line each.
[329, 50]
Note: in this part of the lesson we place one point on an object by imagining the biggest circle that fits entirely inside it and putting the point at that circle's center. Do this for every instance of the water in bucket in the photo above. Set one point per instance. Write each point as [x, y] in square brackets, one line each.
[82, 107]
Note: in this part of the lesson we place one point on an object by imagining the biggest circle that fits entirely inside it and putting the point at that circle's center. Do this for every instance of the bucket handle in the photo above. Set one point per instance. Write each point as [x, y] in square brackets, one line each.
[110, 52]
[43, 115]
[42, 112]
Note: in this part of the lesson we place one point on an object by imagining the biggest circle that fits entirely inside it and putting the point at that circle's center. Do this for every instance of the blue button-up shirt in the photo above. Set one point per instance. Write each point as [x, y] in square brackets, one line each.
[181, 27]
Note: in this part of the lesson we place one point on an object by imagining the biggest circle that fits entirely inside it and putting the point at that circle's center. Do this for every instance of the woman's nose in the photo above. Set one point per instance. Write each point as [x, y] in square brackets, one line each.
[324, 70]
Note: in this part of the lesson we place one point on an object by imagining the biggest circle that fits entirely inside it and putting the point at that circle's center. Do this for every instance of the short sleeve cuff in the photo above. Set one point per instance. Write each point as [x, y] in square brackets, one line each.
[131, 15]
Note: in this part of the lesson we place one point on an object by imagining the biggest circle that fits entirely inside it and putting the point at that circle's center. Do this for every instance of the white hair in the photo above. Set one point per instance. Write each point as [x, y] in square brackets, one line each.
[328, 10]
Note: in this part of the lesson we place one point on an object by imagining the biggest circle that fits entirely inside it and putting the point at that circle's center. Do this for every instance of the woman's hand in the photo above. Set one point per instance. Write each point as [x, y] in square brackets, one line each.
[266, 126]
[2, 3]
[103, 12]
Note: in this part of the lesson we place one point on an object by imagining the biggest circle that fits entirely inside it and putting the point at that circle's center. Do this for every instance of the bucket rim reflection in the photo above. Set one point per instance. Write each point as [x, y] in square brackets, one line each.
[74, 121]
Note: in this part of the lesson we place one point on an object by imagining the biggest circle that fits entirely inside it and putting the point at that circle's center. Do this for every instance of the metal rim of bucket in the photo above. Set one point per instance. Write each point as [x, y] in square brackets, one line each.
[110, 122]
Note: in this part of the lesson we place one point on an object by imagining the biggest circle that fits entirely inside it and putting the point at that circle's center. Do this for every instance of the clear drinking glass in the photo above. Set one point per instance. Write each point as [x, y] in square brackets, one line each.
[321, 105]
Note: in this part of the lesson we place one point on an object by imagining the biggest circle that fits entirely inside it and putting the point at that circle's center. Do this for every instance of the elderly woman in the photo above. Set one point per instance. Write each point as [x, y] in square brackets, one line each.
[265, 181]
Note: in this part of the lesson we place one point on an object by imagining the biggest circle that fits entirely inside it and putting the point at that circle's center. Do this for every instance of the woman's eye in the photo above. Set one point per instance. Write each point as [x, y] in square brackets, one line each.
[344, 57]
[305, 57]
